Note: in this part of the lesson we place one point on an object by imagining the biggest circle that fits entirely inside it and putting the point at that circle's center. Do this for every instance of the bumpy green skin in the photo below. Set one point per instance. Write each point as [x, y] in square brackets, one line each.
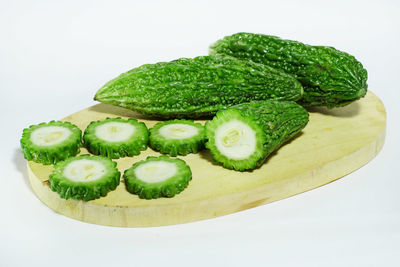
[55, 153]
[176, 147]
[167, 188]
[84, 190]
[196, 87]
[330, 77]
[136, 143]
[274, 122]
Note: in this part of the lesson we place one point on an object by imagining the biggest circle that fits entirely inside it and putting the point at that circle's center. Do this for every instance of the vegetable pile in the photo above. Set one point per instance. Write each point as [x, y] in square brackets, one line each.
[252, 88]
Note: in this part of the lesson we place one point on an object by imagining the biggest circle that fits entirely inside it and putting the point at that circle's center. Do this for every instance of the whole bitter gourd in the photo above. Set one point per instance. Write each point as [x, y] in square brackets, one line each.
[329, 77]
[243, 136]
[196, 87]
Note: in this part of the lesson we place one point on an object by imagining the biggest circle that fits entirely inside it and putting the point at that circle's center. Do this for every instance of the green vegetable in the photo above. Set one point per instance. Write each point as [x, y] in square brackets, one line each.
[330, 77]
[243, 136]
[157, 177]
[116, 137]
[196, 87]
[84, 177]
[51, 142]
[177, 137]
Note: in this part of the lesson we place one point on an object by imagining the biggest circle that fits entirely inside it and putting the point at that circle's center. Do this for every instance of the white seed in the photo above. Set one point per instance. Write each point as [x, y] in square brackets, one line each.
[50, 135]
[114, 131]
[84, 170]
[178, 131]
[157, 171]
[235, 139]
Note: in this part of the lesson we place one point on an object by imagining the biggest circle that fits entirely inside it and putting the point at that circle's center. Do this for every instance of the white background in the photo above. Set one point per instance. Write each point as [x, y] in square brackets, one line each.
[54, 56]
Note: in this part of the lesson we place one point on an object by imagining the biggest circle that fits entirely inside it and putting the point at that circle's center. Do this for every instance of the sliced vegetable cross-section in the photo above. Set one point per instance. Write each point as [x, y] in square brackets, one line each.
[177, 137]
[115, 137]
[85, 177]
[49, 143]
[157, 177]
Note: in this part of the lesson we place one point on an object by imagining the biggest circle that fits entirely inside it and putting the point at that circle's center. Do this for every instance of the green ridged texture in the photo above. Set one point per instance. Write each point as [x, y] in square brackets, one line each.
[196, 87]
[167, 188]
[274, 123]
[84, 190]
[55, 153]
[176, 147]
[330, 77]
[127, 148]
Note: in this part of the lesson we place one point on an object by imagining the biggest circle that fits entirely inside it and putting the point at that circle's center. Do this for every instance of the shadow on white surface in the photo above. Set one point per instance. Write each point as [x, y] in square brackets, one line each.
[20, 165]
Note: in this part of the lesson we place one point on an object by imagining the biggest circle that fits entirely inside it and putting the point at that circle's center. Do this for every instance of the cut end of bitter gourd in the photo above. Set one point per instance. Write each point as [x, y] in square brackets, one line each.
[84, 177]
[51, 142]
[235, 141]
[157, 177]
[177, 137]
[116, 137]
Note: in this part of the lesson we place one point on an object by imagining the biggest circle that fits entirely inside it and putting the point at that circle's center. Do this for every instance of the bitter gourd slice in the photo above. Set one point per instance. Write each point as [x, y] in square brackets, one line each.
[196, 87]
[243, 136]
[157, 177]
[84, 177]
[116, 137]
[177, 137]
[330, 77]
[51, 142]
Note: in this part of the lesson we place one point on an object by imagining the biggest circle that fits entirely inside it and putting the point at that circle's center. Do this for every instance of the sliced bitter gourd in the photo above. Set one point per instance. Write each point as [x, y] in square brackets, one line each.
[157, 177]
[51, 142]
[84, 177]
[177, 137]
[243, 136]
[116, 137]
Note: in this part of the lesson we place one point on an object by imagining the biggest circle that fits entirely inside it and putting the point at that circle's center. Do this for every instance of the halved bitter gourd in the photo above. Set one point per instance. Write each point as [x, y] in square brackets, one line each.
[85, 177]
[177, 137]
[116, 137]
[157, 177]
[51, 142]
[243, 136]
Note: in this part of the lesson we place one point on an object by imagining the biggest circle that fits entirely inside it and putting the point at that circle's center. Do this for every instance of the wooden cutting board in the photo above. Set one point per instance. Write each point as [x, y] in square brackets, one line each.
[333, 144]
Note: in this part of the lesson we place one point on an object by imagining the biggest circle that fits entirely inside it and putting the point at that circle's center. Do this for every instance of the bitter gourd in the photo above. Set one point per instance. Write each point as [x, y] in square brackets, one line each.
[51, 142]
[177, 137]
[243, 136]
[85, 177]
[116, 137]
[196, 87]
[157, 177]
[330, 77]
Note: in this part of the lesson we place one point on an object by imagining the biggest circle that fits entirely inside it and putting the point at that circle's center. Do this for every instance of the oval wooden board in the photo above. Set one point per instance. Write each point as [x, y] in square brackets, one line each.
[334, 143]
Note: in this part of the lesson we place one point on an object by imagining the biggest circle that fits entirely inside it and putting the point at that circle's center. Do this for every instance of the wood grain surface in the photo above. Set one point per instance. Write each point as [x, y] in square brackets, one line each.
[333, 144]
